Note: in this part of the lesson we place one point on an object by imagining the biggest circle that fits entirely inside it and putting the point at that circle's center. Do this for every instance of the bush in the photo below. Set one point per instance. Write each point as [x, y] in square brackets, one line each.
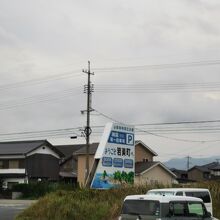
[80, 204]
[38, 189]
[91, 204]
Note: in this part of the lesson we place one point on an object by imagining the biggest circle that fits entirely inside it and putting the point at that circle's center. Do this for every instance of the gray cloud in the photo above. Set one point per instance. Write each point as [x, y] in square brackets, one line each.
[44, 38]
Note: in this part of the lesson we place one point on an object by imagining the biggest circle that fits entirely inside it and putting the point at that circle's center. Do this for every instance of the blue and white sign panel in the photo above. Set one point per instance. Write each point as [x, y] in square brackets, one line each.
[116, 154]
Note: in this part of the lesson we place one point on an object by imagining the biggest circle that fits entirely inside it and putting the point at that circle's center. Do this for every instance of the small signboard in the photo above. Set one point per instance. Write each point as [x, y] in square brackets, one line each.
[116, 155]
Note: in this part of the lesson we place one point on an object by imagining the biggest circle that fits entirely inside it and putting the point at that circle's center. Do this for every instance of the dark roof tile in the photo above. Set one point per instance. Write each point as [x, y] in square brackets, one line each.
[142, 166]
[68, 150]
[23, 147]
[216, 167]
[92, 149]
[210, 165]
[178, 171]
[201, 168]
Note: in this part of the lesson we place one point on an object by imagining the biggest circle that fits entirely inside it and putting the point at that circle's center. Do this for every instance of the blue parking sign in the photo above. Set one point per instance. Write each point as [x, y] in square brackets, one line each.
[130, 139]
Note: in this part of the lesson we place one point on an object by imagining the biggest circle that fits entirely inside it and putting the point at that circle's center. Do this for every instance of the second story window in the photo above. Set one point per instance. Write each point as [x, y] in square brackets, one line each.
[13, 164]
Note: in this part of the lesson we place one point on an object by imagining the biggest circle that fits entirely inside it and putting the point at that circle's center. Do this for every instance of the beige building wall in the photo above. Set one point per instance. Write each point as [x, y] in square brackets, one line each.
[81, 168]
[195, 174]
[142, 153]
[155, 175]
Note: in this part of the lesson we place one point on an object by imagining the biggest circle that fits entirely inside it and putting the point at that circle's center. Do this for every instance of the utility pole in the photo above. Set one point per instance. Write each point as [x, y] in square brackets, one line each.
[188, 162]
[88, 89]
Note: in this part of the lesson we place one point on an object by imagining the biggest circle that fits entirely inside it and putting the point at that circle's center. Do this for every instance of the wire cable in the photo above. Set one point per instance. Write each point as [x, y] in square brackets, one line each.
[47, 79]
[158, 87]
[55, 96]
[159, 66]
[155, 134]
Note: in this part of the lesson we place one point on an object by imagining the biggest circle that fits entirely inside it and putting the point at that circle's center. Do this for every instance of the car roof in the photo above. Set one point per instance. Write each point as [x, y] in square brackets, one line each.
[178, 189]
[162, 199]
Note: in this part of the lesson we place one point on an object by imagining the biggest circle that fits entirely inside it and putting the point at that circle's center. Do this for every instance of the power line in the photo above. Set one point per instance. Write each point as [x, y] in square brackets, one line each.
[160, 66]
[55, 96]
[143, 133]
[159, 85]
[181, 122]
[177, 126]
[39, 133]
[38, 136]
[41, 80]
[67, 130]
[155, 88]
[164, 123]
[102, 126]
[158, 135]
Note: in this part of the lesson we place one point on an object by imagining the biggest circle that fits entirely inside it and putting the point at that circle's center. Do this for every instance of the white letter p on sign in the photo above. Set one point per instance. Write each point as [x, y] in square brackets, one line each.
[130, 139]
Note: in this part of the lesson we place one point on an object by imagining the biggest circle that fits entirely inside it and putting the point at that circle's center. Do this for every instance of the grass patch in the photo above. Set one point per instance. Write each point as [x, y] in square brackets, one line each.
[90, 204]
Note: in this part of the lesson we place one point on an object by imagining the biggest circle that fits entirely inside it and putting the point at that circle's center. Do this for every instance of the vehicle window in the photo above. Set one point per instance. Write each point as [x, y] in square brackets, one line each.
[195, 209]
[141, 207]
[179, 193]
[202, 195]
[177, 209]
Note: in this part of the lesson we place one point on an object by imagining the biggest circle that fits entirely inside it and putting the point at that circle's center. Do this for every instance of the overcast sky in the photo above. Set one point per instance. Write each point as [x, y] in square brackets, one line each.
[45, 44]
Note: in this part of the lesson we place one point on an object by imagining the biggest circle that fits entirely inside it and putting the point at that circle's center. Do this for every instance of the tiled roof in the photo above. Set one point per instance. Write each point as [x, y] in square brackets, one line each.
[82, 150]
[211, 165]
[208, 167]
[201, 168]
[142, 166]
[23, 147]
[216, 167]
[68, 150]
[178, 171]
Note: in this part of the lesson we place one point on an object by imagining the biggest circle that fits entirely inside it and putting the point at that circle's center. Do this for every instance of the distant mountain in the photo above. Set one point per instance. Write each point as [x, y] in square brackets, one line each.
[181, 163]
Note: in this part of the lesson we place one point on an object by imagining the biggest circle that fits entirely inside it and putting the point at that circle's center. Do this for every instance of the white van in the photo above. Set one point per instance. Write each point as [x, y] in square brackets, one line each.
[203, 194]
[152, 207]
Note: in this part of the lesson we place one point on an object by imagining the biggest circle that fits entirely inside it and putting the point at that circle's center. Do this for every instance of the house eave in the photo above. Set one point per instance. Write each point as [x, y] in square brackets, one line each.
[148, 148]
[156, 164]
[12, 156]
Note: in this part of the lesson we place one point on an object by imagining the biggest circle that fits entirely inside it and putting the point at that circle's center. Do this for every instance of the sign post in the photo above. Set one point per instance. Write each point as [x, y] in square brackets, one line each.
[116, 157]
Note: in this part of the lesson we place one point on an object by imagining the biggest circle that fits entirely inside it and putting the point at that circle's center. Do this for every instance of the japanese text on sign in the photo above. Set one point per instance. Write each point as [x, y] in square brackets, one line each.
[119, 151]
[121, 138]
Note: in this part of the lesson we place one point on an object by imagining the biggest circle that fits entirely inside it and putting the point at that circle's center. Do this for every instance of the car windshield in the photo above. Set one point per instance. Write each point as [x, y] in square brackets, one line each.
[161, 193]
[141, 207]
